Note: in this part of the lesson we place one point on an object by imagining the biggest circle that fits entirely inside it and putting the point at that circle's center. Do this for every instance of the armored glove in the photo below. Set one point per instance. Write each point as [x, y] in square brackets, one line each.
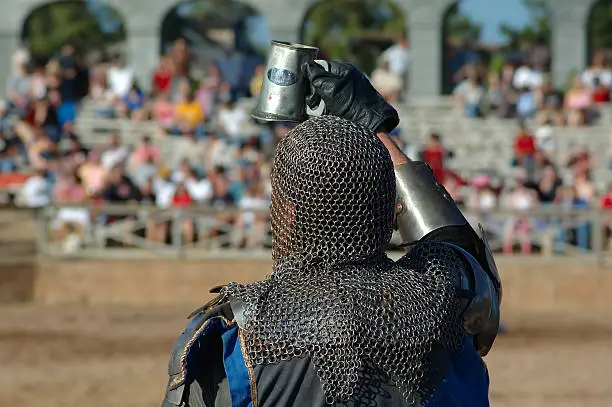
[348, 94]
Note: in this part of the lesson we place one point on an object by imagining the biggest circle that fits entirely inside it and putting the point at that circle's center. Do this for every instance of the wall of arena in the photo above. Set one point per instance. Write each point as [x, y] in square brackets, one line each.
[531, 287]
[143, 19]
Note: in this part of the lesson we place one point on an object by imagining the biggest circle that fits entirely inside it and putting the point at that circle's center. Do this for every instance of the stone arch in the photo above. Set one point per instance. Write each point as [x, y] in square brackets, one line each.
[461, 42]
[206, 24]
[376, 25]
[91, 26]
[597, 26]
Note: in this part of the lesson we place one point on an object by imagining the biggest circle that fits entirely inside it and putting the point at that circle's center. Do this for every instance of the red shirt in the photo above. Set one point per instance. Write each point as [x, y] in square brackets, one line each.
[182, 201]
[162, 80]
[606, 201]
[601, 95]
[524, 145]
[435, 158]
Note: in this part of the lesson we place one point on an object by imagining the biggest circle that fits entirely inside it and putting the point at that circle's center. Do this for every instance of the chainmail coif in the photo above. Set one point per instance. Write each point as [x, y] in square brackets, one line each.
[333, 294]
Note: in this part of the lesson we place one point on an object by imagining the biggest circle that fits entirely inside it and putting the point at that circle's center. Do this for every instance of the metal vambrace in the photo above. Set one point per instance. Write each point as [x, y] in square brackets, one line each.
[424, 206]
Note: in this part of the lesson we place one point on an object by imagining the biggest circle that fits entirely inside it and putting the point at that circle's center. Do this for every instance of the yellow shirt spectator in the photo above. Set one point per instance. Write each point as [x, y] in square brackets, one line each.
[190, 113]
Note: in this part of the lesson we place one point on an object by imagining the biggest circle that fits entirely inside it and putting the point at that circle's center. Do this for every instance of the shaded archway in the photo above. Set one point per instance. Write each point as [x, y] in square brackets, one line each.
[598, 33]
[91, 26]
[490, 38]
[353, 30]
[212, 28]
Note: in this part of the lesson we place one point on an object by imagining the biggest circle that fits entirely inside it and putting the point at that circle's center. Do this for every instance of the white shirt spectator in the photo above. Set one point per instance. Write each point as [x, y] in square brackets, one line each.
[164, 191]
[525, 77]
[35, 192]
[232, 121]
[114, 156]
[386, 82]
[20, 58]
[545, 138]
[120, 80]
[200, 190]
[398, 58]
[604, 76]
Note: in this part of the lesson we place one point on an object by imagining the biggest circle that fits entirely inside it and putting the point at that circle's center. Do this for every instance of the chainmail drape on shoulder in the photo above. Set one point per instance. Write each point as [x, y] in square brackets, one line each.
[333, 294]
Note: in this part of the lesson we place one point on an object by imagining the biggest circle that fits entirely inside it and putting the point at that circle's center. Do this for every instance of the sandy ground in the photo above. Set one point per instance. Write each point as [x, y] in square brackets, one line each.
[109, 356]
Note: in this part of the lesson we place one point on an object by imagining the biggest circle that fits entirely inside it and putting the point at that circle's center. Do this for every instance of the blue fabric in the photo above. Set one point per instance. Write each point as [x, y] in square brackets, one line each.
[236, 370]
[466, 385]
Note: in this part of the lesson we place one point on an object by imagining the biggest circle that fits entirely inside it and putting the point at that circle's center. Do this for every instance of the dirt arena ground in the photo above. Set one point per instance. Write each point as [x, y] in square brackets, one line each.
[60, 356]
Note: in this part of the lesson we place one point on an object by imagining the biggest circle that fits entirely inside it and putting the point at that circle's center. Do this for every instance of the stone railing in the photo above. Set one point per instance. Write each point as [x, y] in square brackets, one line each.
[144, 232]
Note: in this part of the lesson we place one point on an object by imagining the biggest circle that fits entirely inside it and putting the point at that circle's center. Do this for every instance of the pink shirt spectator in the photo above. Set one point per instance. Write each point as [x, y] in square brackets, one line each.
[144, 153]
[163, 113]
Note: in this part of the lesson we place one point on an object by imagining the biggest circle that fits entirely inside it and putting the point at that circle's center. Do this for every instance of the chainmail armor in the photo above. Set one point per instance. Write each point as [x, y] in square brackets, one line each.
[333, 294]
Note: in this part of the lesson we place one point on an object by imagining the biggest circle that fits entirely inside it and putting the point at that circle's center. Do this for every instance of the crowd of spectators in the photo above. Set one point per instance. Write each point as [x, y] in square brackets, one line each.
[221, 158]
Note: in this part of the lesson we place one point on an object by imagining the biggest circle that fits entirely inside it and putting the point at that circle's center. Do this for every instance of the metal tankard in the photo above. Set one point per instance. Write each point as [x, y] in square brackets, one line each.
[285, 88]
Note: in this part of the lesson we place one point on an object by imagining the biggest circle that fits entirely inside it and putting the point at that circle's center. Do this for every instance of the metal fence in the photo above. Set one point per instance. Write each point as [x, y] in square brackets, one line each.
[135, 231]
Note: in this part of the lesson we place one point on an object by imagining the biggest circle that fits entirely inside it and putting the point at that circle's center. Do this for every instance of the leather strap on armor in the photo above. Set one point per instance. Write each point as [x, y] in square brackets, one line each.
[423, 204]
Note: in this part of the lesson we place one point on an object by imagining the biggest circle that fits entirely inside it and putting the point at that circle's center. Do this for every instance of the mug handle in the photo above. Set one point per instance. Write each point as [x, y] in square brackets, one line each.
[318, 111]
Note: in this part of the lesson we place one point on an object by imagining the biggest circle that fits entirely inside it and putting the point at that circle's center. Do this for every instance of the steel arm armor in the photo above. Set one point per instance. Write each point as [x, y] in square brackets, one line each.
[426, 211]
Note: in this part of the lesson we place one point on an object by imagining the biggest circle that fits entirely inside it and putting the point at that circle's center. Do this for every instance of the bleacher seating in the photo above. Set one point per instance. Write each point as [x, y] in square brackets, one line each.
[478, 144]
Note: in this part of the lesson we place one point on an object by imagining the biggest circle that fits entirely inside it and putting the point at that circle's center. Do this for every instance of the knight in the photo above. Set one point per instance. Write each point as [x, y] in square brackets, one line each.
[337, 322]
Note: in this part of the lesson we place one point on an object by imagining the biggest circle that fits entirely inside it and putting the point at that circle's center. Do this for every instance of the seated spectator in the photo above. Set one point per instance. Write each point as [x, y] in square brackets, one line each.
[120, 190]
[46, 118]
[231, 119]
[598, 73]
[134, 100]
[526, 105]
[251, 226]
[163, 112]
[114, 153]
[578, 102]
[71, 223]
[182, 199]
[207, 92]
[524, 148]
[257, 81]
[526, 77]
[36, 191]
[93, 174]
[38, 83]
[567, 198]
[388, 84]
[145, 170]
[188, 116]
[145, 152]
[119, 78]
[545, 137]
[76, 154]
[523, 199]
[9, 154]
[601, 93]
[435, 155]
[468, 95]
[156, 227]
[550, 104]
[548, 185]
[482, 197]
[198, 187]
[162, 77]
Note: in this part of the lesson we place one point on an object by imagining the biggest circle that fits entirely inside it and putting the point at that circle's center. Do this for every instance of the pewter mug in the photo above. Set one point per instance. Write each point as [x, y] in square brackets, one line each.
[284, 89]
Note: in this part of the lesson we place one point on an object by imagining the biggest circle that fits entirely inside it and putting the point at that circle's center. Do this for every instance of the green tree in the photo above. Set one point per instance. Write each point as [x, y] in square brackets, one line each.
[354, 30]
[52, 25]
[536, 31]
[460, 28]
[599, 35]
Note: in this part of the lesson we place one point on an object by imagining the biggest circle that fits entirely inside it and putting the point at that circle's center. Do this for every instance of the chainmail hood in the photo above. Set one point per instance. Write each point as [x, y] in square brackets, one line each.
[333, 193]
[364, 320]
